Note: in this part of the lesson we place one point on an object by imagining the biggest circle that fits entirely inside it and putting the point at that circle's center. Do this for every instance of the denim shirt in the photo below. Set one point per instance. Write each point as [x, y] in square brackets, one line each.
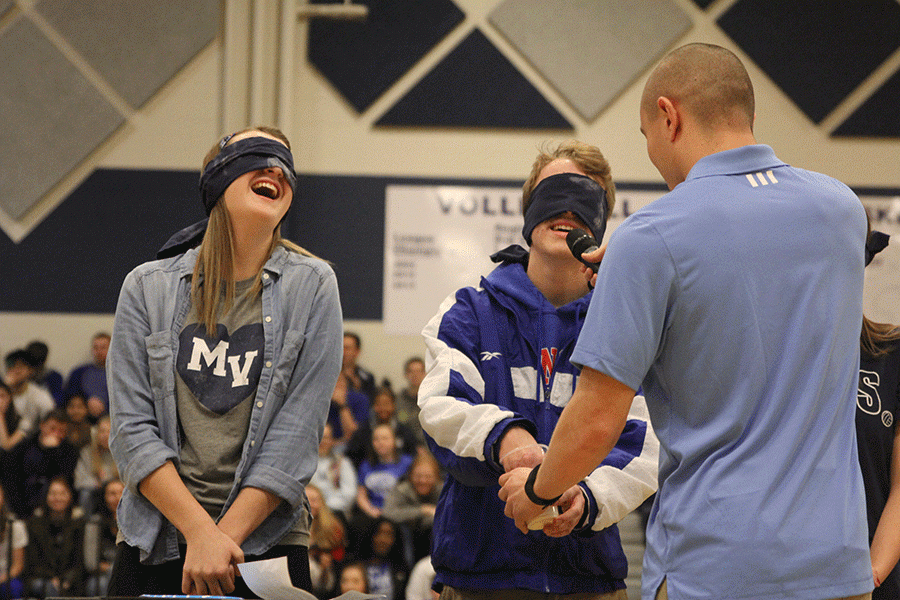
[303, 330]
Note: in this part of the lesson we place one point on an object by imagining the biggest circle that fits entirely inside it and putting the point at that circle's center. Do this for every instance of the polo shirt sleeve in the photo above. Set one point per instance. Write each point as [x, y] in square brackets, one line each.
[626, 321]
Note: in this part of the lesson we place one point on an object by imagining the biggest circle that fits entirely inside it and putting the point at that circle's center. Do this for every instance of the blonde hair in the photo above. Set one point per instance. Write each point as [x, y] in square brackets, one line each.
[214, 270]
[326, 531]
[878, 339]
[588, 158]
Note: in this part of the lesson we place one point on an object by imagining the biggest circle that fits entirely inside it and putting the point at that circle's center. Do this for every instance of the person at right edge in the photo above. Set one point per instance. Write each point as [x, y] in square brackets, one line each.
[735, 303]
[498, 377]
[878, 440]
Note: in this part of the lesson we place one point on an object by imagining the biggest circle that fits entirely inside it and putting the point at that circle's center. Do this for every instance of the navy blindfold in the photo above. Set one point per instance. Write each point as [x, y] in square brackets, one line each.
[877, 242]
[243, 156]
[567, 192]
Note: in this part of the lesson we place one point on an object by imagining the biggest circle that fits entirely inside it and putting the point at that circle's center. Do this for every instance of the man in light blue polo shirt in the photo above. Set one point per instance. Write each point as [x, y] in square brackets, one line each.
[735, 302]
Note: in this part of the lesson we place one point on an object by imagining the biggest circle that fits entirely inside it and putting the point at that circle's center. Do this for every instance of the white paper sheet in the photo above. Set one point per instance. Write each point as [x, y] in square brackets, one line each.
[269, 579]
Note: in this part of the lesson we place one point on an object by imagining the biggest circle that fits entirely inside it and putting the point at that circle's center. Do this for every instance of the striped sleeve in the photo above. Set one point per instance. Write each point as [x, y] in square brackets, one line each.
[628, 475]
[460, 427]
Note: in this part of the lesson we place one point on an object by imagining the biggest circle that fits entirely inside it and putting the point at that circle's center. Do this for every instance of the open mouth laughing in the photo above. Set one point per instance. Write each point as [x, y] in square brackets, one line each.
[266, 189]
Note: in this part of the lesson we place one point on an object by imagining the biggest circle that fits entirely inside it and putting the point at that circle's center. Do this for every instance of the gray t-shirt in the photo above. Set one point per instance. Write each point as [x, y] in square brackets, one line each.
[216, 385]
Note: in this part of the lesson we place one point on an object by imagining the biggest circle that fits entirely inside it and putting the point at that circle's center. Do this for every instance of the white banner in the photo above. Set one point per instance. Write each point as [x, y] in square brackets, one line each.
[439, 239]
[881, 300]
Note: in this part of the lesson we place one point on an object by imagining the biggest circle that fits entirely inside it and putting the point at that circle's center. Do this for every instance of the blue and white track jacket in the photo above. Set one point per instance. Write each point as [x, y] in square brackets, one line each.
[498, 356]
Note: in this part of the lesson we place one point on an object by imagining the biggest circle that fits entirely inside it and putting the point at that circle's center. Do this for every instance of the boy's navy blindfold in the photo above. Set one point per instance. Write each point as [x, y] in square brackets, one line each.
[567, 192]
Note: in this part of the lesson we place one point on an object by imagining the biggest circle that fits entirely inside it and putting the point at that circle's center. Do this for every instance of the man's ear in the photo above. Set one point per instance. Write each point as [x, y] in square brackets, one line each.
[673, 117]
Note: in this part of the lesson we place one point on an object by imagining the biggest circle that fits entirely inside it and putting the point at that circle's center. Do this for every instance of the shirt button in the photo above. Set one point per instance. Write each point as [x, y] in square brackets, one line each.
[252, 442]
[265, 275]
[269, 363]
[268, 319]
[259, 404]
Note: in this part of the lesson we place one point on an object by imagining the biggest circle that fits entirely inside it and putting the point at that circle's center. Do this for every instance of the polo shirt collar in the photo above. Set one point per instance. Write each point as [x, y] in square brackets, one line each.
[746, 159]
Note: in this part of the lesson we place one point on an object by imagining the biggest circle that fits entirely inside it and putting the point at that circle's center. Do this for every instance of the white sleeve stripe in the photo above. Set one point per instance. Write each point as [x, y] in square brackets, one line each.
[620, 491]
[453, 423]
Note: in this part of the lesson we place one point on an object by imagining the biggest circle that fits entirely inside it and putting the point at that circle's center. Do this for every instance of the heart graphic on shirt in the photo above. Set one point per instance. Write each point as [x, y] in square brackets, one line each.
[221, 370]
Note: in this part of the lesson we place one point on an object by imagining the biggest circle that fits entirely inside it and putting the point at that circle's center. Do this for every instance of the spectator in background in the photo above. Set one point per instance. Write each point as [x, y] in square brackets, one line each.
[411, 504]
[381, 470]
[31, 401]
[381, 551]
[13, 540]
[349, 408]
[79, 426]
[353, 578]
[359, 378]
[89, 380]
[384, 412]
[55, 554]
[327, 544]
[32, 464]
[100, 535]
[49, 379]
[335, 476]
[95, 465]
[378, 474]
[408, 400]
[9, 419]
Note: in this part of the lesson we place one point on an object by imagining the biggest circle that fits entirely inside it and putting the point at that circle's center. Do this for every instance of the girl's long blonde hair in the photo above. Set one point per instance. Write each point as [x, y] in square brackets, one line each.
[878, 339]
[214, 270]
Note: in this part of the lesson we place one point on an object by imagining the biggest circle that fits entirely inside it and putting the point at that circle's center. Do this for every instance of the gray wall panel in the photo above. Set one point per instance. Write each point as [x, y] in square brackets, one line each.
[53, 117]
[591, 51]
[136, 46]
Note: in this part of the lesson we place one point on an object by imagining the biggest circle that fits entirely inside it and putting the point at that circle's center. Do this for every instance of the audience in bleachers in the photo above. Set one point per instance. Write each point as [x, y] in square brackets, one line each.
[381, 552]
[369, 524]
[100, 534]
[47, 378]
[408, 398]
[384, 412]
[359, 378]
[79, 426]
[412, 502]
[31, 401]
[89, 380]
[95, 466]
[29, 467]
[13, 540]
[9, 419]
[353, 578]
[349, 408]
[335, 476]
[54, 557]
[327, 545]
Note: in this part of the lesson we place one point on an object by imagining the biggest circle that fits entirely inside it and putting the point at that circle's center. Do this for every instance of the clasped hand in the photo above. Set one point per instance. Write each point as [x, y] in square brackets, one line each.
[210, 563]
[518, 464]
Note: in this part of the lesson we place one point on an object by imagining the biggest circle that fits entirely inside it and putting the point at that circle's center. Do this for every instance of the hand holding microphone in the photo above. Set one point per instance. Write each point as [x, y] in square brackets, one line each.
[581, 242]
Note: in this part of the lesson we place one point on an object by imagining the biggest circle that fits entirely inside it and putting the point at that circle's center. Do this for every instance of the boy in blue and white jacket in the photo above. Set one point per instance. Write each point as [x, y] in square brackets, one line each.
[498, 378]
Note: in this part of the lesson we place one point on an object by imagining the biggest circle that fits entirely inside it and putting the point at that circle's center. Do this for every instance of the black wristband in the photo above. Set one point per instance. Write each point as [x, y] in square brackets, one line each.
[529, 490]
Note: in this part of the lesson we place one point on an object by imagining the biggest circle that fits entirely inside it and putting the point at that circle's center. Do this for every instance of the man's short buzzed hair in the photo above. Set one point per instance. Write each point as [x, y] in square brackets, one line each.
[708, 81]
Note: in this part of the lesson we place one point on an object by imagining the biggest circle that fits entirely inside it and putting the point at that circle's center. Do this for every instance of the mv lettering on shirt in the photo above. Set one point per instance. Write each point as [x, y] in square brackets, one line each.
[221, 369]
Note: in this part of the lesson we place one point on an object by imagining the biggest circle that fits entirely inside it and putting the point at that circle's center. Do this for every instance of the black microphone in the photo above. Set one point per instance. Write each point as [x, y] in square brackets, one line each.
[580, 241]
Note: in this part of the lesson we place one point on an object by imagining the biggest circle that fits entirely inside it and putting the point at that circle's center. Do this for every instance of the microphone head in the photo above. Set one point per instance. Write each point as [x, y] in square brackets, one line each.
[580, 241]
